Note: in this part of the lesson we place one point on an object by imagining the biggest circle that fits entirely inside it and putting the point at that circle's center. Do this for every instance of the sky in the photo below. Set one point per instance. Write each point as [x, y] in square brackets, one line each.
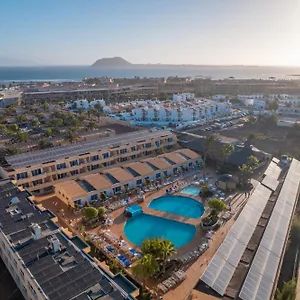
[207, 32]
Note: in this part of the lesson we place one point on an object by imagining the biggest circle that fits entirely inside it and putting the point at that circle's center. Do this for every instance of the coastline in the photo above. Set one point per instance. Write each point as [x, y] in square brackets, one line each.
[77, 73]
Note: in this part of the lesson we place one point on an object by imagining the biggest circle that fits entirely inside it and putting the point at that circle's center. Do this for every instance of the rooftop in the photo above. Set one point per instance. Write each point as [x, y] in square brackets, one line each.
[119, 174]
[98, 181]
[247, 264]
[157, 163]
[141, 169]
[61, 152]
[72, 188]
[61, 270]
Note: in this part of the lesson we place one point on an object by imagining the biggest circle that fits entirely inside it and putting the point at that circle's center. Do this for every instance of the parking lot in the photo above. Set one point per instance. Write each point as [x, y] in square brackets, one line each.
[220, 124]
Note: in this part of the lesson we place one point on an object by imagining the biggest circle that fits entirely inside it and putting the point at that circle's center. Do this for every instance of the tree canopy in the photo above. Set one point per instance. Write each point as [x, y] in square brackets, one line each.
[217, 205]
[90, 212]
[288, 291]
[145, 267]
[226, 151]
[252, 161]
[246, 171]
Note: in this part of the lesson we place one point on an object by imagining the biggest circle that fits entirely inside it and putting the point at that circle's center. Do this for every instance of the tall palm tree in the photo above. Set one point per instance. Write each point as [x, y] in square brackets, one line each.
[209, 144]
[246, 172]
[146, 267]
[166, 250]
[226, 151]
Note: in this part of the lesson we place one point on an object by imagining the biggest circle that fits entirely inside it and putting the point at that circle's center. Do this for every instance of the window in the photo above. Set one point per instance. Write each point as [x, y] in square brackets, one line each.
[37, 182]
[105, 155]
[133, 148]
[190, 164]
[123, 151]
[25, 185]
[22, 273]
[63, 175]
[157, 175]
[94, 167]
[166, 173]
[117, 189]
[95, 157]
[133, 156]
[139, 182]
[61, 166]
[74, 163]
[36, 172]
[22, 175]
[157, 143]
[77, 202]
[148, 145]
[94, 197]
[170, 139]
[123, 159]
[32, 290]
[175, 170]
[74, 172]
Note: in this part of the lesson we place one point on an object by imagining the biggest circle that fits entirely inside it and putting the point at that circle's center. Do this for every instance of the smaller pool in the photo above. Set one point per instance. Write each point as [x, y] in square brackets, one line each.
[178, 205]
[191, 190]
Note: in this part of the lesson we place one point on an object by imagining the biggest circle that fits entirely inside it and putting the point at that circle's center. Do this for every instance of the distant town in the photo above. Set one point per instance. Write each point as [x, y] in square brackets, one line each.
[149, 188]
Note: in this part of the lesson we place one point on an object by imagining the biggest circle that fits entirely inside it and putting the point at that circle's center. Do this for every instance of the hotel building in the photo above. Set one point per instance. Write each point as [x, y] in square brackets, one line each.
[182, 111]
[35, 95]
[111, 181]
[44, 261]
[38, 171]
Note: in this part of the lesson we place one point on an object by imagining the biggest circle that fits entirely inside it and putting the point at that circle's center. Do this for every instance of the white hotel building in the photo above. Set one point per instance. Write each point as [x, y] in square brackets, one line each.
[191, 111]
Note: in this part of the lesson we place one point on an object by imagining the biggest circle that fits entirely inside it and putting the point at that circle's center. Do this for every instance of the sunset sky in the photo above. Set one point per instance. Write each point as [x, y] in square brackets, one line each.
[211, 32]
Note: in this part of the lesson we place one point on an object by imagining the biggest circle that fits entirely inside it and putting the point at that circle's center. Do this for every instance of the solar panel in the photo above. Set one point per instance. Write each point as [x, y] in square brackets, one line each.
[222, 267]
[261, 278]
[51, 154]
[270, 182]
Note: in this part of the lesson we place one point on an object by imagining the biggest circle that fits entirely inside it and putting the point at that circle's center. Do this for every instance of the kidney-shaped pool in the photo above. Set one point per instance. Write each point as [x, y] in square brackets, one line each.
[145, 226]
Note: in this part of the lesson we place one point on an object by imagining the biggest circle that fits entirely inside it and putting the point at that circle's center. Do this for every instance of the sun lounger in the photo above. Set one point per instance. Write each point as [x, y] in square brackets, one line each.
[162, 288]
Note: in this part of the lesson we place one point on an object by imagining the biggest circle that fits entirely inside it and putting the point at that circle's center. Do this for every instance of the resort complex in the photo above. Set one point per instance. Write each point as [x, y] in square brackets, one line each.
[44, 261]
[128, 177]
[148, 197]
[38, 171]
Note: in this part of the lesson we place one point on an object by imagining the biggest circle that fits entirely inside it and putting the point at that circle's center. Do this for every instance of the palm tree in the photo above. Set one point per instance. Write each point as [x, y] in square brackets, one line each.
[146, 267]
[70, 136]
[288, 291]
[252, 161]
[151, 246]
[209, 144]
[246, 172]
[226, 151]
[166, 250]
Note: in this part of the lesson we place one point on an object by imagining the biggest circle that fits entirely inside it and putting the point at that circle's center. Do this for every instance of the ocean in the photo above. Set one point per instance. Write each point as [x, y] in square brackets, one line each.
[77, 73]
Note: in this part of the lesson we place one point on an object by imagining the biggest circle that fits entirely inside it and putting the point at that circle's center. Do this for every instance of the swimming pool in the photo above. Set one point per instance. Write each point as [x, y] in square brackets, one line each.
[191, 190]
[144, 226]
[178, 205]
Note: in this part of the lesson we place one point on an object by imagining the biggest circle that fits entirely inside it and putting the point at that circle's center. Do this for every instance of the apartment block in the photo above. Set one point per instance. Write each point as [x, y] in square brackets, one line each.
[44, 261]
[38, 171]
[114, 181]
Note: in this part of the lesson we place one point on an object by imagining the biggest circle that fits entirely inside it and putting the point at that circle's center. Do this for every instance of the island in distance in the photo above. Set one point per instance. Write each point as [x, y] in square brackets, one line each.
[119, 62]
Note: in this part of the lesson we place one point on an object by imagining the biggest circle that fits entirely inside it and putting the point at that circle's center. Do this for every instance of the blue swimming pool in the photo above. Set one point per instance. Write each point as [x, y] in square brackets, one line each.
[191, 190]
[144, 226]
[178, 205]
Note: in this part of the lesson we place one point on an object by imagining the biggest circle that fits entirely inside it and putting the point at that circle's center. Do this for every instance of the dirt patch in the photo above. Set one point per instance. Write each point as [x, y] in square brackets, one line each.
[118, 128]
[275, 140]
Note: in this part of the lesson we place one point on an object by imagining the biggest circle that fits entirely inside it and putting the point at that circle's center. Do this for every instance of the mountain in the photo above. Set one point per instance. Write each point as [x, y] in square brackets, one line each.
[15, 62]
[113, 62]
